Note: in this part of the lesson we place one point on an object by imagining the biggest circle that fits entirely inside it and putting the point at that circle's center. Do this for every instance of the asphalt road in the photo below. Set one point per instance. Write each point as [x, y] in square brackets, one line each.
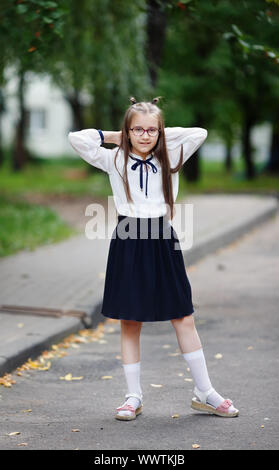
[236, 298]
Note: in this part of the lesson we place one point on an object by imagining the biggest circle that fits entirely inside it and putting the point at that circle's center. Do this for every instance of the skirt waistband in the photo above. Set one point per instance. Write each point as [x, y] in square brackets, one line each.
[121, 217]
[143, 227]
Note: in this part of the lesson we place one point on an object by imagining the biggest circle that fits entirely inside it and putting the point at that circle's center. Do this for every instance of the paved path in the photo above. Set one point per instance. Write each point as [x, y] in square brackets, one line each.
[236, 297]
[70, 274]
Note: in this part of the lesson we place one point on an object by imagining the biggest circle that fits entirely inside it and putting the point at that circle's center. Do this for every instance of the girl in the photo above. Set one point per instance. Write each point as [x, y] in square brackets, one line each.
[146, 279]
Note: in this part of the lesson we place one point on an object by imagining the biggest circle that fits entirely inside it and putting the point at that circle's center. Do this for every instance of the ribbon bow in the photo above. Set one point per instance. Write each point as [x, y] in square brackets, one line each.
[141, 163]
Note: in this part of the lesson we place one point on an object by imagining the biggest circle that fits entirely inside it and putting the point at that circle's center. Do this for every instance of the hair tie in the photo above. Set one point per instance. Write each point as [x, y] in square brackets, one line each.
[155, 100]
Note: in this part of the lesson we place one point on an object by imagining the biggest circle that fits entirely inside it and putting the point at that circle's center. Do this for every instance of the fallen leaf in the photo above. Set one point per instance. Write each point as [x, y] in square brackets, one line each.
[27, 411]
[106, 377]
[166, 346]
[188, 380]
[47, 367]
[156, 385]
[262, 426]
[250, 347]
[218, 356]
[20, 325]
[195, 446]
[69, 377]
[75, 430]
[175, 416]
[13, 433]
[7, 380]
[173, 354]
[23, 444]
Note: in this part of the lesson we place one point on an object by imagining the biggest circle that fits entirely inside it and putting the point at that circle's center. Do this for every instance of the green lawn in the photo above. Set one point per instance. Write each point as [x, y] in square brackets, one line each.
[25, 226]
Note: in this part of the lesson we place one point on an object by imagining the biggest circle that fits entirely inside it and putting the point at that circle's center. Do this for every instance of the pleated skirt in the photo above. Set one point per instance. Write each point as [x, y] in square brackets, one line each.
[146, 279]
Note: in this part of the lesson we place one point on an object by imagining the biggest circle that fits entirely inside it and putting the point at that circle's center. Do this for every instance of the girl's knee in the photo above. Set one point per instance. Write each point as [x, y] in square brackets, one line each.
[184, 322]
[131, 323]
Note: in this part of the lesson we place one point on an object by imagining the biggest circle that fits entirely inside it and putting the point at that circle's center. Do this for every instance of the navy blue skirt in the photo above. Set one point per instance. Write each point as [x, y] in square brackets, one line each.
[146, 278]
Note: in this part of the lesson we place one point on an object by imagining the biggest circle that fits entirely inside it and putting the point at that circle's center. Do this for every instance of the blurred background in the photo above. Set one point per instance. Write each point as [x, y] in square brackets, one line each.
[73, 64]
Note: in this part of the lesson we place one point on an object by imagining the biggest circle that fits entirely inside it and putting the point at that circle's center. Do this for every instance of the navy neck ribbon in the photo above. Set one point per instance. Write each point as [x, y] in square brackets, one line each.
[142, 163]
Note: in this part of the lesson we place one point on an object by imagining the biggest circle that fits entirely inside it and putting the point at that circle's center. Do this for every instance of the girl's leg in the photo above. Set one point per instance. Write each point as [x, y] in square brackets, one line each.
[191, 348]
[130, 341]
[130, 353]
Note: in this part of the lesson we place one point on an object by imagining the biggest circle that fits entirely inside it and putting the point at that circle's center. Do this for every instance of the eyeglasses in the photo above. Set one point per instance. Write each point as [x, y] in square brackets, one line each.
[151, 131]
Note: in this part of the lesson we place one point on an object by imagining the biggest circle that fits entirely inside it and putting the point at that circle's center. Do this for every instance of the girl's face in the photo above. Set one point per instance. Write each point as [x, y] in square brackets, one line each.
[143, 144]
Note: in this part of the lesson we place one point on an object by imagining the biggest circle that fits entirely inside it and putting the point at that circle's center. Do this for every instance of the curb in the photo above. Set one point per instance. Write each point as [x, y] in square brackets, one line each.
[212, 244]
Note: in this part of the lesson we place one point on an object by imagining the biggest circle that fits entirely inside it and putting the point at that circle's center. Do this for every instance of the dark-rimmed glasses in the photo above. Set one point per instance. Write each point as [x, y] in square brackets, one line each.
[151, 131]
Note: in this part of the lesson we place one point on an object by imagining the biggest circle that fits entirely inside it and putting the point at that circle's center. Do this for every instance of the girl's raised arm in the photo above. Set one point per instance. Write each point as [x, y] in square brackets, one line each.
[87, 143]
[190, 137]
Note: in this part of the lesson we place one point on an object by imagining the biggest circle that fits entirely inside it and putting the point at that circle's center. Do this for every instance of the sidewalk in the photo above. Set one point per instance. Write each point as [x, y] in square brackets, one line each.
[70, 274]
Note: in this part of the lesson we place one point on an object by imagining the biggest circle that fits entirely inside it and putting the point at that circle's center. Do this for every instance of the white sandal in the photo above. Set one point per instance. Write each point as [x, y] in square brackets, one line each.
[199, 403]
[134, 412]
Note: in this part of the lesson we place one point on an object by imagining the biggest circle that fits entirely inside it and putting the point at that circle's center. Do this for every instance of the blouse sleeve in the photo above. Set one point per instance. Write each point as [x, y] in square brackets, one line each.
[87, 143]
[190, 137]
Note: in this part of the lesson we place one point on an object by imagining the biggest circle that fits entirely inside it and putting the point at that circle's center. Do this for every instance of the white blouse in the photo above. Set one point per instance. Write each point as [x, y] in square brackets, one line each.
[145, 180]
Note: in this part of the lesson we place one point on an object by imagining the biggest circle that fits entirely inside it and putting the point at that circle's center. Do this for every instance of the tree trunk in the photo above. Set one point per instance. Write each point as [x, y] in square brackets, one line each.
[19, 154]
[247, 147]
[228, 157]
[156, 32]
[77, 110]
[2, 109]
[272, 165]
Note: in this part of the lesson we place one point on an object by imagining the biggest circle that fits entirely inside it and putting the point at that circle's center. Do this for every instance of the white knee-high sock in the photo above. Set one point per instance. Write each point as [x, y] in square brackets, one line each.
[197, 365]
[132, 375]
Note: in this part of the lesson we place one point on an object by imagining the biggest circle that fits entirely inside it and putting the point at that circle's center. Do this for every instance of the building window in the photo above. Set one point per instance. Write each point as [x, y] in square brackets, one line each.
[36, 120]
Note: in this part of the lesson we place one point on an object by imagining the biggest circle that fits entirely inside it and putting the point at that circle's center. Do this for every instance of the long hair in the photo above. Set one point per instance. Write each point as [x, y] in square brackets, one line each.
[159, 150]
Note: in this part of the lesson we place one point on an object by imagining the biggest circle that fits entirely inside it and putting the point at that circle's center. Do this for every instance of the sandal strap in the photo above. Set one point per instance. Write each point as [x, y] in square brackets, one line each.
[202, 396]
[136, 395]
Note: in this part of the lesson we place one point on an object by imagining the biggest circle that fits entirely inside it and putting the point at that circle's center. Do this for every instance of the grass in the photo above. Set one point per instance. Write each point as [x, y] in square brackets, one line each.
[60, 178]
[26, 226]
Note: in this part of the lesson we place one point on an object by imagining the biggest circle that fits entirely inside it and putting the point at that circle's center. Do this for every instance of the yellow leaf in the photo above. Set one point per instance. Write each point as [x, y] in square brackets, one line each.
[188, 380]
[195, 446]
[27, 411]
[218, 356]
[46, 367]
[173, 354]
[13, 433]
[67, 377]
[175, 416]
[75, 430]
[156, 385]
[106, 377]
[23, 444]
[20, 325]
[262, 426]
